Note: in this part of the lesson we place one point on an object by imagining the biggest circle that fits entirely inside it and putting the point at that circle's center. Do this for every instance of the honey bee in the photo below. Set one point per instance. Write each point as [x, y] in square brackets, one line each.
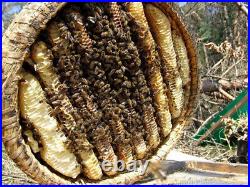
[96, 37]
[127, 84]
[108, 58]
[99, 72]
[105, 89]
[113, 41]
[106, 34]
[130, 103]
[117, 81]
[122, 106]
[99, 84]
[91, 19]
[109, 49]
[93, 64]
[119, 73]
[99, 10]
[131, 48]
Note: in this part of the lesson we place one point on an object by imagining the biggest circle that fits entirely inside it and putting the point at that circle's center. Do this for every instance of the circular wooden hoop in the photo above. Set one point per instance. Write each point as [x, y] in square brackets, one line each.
[17, 40]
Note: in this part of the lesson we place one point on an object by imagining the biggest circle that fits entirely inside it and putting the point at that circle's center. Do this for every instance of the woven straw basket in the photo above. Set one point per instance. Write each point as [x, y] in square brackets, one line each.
[17, 41]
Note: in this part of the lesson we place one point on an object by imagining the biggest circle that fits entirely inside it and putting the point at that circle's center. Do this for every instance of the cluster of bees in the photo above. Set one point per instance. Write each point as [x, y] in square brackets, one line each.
[103, 82]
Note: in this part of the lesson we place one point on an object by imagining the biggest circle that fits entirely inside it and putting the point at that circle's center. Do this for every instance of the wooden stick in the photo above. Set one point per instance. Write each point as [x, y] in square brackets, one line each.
[226, 94]
[231, 67]
[171, 166]
[243, 8]
[218, 95]
[218, 167]
[236, 84]
[212, 85]
[198, 172]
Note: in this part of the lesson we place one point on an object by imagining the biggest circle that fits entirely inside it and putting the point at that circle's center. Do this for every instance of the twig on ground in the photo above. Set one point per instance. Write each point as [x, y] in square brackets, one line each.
[231, 67]
[243, 8]
[226, 94]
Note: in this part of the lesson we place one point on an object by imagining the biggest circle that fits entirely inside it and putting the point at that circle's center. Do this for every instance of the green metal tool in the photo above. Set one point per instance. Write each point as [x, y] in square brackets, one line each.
[215, 126]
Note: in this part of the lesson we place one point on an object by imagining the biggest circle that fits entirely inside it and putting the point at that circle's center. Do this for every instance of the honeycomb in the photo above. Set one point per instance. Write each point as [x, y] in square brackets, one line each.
[100, 82]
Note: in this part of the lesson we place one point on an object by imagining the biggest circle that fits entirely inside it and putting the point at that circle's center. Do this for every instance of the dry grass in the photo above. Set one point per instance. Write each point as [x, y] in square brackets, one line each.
[213, 151]
[236, 129]
[11, 174]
